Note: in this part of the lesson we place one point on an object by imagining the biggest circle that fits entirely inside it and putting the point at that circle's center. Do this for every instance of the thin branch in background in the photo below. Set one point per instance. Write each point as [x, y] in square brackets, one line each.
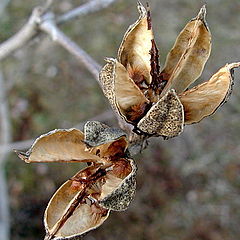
[5, 139]
[58, 36]
[28, 31]
[3, 5]
[89, 7]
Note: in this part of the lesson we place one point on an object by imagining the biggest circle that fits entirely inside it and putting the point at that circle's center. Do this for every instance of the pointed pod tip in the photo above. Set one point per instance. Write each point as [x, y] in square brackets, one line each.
[22, 155]
[110, 60]
[141, 9]
[202, 13]
[233, 65]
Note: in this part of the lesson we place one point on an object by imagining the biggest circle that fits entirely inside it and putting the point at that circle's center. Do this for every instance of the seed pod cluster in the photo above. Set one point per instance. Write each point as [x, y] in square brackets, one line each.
[84, 202]
[156, 101]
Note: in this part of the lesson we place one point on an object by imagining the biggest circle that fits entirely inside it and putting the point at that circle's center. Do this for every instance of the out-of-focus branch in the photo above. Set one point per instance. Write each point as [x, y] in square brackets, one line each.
[3, 5]
[30, 29]
[48, 25]
[18, 40]
[5, 139]
[89, 7]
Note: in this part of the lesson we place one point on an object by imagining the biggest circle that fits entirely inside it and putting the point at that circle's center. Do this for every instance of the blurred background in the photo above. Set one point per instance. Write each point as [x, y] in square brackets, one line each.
[188, 187]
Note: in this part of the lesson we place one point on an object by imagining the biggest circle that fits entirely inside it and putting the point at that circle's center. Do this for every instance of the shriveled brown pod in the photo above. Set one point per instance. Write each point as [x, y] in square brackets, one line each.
[59, 145]
[118, 196]
[155, 101]
[134, 50]
[187, 58]
[70, 213]
[204, 99]
[83, 202]
[124, 95]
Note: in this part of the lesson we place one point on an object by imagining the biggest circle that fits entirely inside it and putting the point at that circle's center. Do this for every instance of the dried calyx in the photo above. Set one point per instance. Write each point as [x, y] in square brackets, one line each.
[156, 101]
[84, 202]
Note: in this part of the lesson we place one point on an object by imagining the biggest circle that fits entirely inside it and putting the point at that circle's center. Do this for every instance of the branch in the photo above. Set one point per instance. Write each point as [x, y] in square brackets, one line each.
[18, 40]
[3, 6]
[5, 139]
[89, 7]
[30, 29]
[48, 26]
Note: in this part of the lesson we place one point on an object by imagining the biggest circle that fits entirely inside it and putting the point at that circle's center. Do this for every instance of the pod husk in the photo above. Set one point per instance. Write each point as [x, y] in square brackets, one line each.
[134, 50]
[83, 219]
[187, 58]
[165, 118]
[123, 94]
[122, 196]
[59, 145]
[204, 99]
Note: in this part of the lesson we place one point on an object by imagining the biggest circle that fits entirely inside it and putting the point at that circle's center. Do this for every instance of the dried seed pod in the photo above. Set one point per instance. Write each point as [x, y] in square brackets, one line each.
[204, 99]
[134, 50]
[119, 198]
[124, 95]
[60, 145]
[165, 118]
[70, 214]
[186, 60]
[83, 202]
[135, 87]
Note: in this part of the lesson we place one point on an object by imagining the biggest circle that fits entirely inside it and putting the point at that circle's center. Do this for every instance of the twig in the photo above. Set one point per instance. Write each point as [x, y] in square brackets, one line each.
[5, 139]
[30, 29]
[3, 6]
[89, 7]
[18, 40]
[48, 25]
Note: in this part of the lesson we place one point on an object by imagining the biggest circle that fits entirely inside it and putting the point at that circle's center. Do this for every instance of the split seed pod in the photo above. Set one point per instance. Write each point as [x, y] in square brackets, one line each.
[84, 202]
[156, 102]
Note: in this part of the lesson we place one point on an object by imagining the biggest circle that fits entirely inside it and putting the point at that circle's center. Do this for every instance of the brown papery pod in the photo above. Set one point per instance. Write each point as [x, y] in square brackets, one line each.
[117, 195]
[134, 50]
[70, 213]
[83, 202]
[186, 60]
[165, 118]
[204, 99]
[60, 145]
[124, 95]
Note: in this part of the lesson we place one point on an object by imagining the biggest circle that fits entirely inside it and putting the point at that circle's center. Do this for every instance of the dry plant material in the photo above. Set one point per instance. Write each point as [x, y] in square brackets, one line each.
[84, 202]
[156, 101]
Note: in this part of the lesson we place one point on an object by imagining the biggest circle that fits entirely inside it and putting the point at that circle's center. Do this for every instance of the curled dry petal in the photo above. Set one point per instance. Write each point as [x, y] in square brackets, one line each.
[204, 99]
[83, 202]
[165, 118]
[123, 94]
[60, 145]
[186, 60]
[134, 50]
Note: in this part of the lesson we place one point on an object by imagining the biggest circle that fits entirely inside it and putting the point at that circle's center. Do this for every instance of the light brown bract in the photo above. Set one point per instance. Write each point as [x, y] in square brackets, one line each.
[157, 102]
[84, 202]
